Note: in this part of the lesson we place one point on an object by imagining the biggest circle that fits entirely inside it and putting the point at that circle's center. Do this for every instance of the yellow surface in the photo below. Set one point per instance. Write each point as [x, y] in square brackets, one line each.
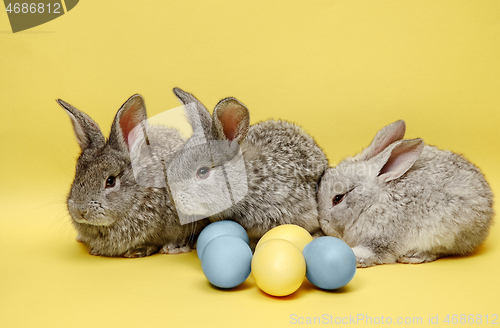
[293, 233]
[342, 69]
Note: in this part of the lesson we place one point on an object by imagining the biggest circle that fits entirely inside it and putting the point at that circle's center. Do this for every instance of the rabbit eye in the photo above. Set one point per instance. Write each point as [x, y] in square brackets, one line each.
[110, 182]
[338, 199]
[203, 172]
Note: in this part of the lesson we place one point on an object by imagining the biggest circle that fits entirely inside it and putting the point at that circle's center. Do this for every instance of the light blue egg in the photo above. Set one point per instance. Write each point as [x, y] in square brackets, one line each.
[226, 261]
[330, 262]
[219, 228]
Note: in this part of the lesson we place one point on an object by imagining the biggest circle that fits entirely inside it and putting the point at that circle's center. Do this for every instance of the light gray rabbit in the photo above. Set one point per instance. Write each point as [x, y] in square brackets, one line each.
[119, 201]
[260, 176]
[403, 201]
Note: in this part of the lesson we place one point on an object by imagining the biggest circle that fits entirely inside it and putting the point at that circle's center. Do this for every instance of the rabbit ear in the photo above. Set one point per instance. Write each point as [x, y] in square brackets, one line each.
[386, 136]
[197, 114]
[231, 120]
[87, 132]
[131, 114]
[398, 158]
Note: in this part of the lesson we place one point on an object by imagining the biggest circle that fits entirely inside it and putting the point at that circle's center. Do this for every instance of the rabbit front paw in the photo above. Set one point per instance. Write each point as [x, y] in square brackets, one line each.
[79, 238]
[365, 257]
[141, 251]
[417, 257]
[93, 252]
[175, 249]
[318, 234]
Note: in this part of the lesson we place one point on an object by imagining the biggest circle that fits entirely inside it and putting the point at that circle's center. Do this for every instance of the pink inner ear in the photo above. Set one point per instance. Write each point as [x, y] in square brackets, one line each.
[396, 160]
[385, 137]
[402, 158]
[229, 122]
[128, 122]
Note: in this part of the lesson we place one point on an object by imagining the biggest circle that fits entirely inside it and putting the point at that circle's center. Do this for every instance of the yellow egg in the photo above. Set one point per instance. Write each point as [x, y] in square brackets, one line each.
[278, 267]
[298, 236]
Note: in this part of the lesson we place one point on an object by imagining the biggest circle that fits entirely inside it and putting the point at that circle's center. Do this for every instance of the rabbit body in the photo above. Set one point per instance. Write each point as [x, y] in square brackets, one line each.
[283, 167]
[113, 213]
[275, 183]
[403, 201]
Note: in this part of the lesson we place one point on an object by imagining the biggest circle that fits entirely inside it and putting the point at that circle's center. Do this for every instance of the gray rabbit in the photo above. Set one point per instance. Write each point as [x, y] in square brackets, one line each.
[403, 201]
[260, 176]
[119, 201]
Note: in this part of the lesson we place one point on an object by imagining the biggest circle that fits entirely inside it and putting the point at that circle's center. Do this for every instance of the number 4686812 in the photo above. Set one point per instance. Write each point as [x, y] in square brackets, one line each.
[34, 8]
[471, 319]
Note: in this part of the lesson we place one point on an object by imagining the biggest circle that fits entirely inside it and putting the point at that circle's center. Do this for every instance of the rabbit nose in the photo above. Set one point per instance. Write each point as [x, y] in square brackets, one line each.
[76, 210]
[81, 210]
[82, 213]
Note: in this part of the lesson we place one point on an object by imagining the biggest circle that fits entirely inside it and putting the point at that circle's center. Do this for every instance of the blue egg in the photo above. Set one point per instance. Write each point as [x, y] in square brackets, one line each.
[226, 261]
[330, 263]
[217, 229]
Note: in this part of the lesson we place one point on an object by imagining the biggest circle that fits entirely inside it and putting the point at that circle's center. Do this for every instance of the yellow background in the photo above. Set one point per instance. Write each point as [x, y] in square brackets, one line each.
[342, 69]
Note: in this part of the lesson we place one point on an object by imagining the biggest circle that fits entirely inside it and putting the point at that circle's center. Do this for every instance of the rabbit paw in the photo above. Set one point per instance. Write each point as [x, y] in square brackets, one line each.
[175, 249]
[417, 257]
[93, 252]
[364, 257]
[318, 234]
[140, 251]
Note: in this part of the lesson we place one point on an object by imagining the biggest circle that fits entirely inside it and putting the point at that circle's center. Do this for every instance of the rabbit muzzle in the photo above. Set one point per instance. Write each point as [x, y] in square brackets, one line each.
[91, 213]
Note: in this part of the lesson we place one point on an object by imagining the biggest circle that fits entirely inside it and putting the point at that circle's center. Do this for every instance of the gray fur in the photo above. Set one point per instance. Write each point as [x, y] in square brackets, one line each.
[282, 167]
[136, 217]
[405, 202]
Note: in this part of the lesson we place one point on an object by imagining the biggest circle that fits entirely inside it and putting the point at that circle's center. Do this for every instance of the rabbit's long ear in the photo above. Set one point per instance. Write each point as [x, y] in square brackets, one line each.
[231, 120]
[398, 158]
[386, 136]
[197, 115]
[132, 114]
[87, 132]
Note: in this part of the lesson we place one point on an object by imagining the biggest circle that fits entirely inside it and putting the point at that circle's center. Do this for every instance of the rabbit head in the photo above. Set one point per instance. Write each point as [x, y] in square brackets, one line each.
[357, 183]
[99, 195]
[208, 175]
